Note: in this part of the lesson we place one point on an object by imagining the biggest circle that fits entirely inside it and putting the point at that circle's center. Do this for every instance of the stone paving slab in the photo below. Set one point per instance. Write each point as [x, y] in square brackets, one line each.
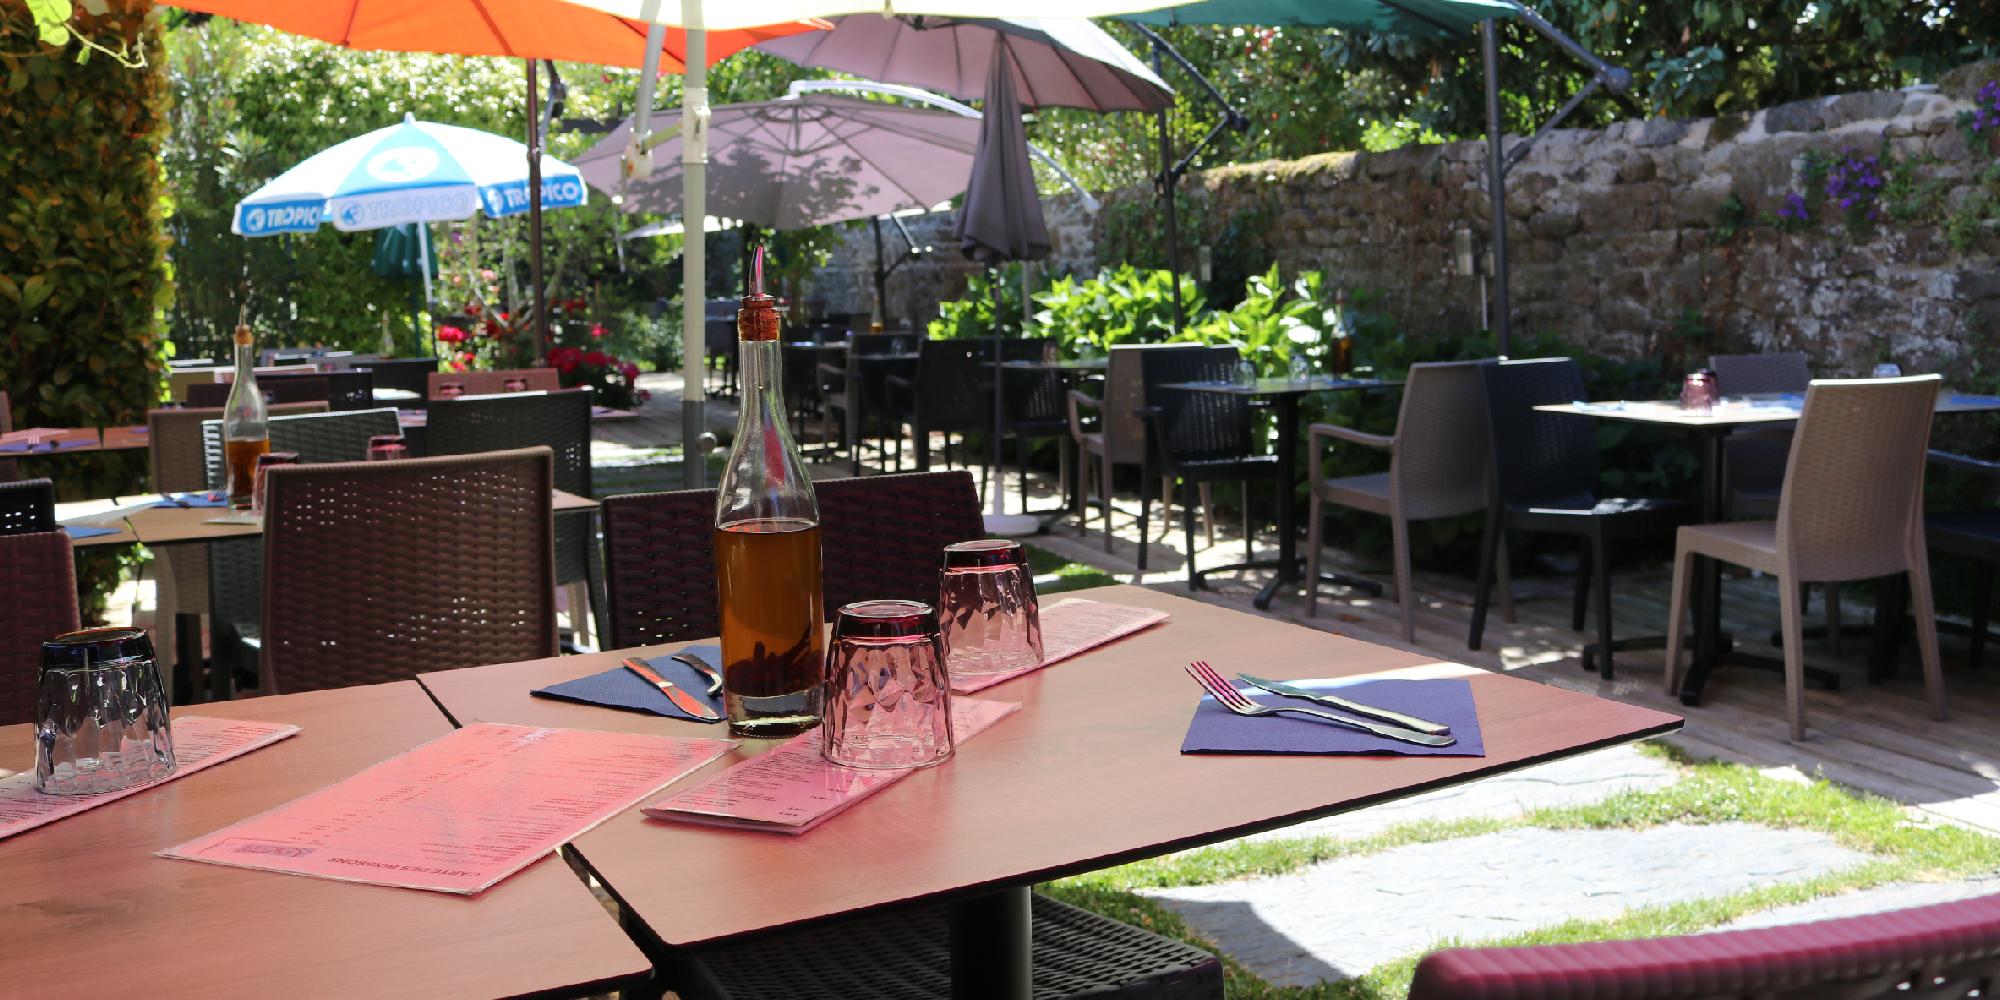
[1897, 896]
[1573, 781]
[1339, 919]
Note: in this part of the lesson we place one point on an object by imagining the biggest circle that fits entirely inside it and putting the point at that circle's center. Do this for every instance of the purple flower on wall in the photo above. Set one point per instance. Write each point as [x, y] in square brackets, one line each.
[1794, 209]
[1986, 107]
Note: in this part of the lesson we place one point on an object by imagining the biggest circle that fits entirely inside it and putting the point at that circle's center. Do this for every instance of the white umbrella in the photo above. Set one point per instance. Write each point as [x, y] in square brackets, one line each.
[693, 16]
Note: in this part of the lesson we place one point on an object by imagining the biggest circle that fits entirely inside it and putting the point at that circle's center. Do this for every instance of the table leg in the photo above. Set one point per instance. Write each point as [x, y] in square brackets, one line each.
[1286, 409]
[853, 428]
[1707, 579]
[992, 946]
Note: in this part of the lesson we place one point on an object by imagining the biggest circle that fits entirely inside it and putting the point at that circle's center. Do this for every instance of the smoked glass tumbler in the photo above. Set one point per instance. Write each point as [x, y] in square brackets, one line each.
[986, 598]
[888, 701]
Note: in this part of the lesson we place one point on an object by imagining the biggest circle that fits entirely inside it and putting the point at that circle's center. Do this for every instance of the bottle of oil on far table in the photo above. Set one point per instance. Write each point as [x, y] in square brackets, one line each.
[767, 548]
[245, 423]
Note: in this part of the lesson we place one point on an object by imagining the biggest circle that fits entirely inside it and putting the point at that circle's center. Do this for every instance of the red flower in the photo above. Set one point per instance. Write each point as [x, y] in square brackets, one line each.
[472, 308]
[630, 371]
[596, 330]
[450, 334]
[468, 357]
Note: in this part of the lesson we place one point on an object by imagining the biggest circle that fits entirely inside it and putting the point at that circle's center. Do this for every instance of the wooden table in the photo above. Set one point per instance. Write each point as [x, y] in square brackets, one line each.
[1285, 393]
[96, 514]
[90, 911]
[1087, 775]
[1711, 647]
[171, 525]
[43, 440]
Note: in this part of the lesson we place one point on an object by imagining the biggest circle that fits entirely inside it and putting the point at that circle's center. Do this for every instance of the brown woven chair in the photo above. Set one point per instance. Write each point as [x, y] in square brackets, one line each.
[27, 506]
[180, 572]
[304, 388]
[882, 536]
[1852, 509]
[490, 383]
[1436, 470]
[376, 571]
[37, 602]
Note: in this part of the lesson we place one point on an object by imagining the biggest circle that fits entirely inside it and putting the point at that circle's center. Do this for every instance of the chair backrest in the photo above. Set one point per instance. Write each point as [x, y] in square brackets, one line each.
[180, 457]
[37, 603]
[1928, 951]
[880, 536]
[375, 571]
[1196, 426]
[1854, 484]
[317, 438]
[558, 420]
[277, 388]
[1032, 397]
[1538, 456]
[1125, 395]
[489, 383]
[1756, 374]
[27, 506]
[949, 375]
[408, 374]
[351, 389]
[1440, 467]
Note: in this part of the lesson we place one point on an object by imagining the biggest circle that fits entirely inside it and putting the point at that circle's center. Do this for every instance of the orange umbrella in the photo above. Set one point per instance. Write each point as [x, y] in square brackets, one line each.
[524, 29]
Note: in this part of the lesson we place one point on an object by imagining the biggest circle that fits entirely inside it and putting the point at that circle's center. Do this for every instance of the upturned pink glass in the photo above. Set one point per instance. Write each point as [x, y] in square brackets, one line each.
[387, 448]
[888, 701]
[265, 462]
[986, 599]
[516, 384]
[1698, 392]
[450, 390]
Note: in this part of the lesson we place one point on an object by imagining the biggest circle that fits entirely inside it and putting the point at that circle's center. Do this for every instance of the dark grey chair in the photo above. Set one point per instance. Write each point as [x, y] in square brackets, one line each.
[27, 505]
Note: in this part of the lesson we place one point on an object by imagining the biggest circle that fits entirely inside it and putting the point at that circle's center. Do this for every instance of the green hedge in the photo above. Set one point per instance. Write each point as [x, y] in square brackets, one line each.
[83, 270]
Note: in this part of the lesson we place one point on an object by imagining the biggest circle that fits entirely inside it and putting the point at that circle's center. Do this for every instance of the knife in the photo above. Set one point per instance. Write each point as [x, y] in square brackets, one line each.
[1398, 718]
[701, 667]
[682, 700]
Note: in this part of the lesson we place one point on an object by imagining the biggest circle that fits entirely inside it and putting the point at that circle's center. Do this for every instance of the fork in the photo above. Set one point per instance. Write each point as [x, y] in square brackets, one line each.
[1240, 703]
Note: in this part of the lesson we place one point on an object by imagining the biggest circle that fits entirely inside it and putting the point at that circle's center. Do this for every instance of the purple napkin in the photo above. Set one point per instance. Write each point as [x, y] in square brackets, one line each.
[1448, 701]
[213, 499]
[87, 531]
[621, 688]
[63, 444]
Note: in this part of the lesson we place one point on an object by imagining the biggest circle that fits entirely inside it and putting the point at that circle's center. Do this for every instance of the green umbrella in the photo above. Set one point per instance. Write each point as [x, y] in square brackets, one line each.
[1394, 17]
[405, 252]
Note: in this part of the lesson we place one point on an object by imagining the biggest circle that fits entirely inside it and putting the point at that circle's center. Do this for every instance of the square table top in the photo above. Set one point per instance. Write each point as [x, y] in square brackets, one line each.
[1058, 365]
[1087, 775]
[127, 438]
[1282, 386]
[90, 911]
[1738, 411]
[96, 514]
[170, 525]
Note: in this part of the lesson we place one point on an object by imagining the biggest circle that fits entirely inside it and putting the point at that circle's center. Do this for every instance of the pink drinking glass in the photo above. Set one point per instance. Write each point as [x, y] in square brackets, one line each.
[450, 390]
[888, 701]
[516, 385]
[991, 621]
[1698, 392]
[264, 463]
[387, 448]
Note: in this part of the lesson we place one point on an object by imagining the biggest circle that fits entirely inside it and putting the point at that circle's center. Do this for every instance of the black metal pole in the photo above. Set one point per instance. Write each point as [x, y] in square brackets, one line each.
[1168, 177]
[540, 295]
[1496, 185]
[881, 275]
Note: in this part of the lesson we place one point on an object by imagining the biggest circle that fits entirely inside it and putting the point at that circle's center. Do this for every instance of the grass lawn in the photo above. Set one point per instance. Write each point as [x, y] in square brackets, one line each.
[1054, 574]
[1902, 849]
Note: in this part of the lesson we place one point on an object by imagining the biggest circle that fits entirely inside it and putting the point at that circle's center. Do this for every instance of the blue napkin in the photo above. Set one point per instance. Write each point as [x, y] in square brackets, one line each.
[1973, 399]
[1448, 701]
[65, 444]
[87, 531]
[213, 499]
[621, 688]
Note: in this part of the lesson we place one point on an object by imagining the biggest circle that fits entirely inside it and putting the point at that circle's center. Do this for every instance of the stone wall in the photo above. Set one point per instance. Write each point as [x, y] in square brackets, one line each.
[1651, 237]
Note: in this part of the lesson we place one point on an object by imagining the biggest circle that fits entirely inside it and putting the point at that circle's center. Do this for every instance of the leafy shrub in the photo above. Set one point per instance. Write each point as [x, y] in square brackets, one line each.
[1127, 305]
[973, 315]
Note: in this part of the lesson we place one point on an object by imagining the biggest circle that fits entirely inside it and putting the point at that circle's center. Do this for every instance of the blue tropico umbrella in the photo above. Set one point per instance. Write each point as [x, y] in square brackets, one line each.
[412, 172]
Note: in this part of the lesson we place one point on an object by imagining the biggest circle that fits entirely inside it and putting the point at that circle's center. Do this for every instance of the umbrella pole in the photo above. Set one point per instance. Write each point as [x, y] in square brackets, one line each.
[1496, 185]
[694, 256]
[1166, 185]
[537, 294]
[997, 483]
[881, 274]
[424, 265]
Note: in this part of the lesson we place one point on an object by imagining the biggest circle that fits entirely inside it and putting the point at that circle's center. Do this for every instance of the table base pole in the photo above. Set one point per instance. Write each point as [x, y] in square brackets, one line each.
[992, 946]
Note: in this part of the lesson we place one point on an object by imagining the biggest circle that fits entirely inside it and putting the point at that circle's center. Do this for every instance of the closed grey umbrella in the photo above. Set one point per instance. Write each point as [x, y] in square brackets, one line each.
[1001, 219]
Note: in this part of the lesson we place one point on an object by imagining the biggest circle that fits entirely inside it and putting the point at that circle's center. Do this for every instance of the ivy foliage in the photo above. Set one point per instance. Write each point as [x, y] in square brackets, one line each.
[83, 270]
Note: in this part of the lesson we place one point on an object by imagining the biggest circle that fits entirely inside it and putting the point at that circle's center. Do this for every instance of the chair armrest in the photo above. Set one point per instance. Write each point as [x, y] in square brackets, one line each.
[1076, 403]
[1963, 463]
[1315, 454]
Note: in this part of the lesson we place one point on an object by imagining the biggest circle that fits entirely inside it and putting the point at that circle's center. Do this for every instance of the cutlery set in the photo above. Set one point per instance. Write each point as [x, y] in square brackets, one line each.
[1386, 724]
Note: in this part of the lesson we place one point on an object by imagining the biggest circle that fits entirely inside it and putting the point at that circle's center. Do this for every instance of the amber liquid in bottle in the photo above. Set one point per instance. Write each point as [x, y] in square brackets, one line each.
[245, 424]
[240, 458]
[767, 552]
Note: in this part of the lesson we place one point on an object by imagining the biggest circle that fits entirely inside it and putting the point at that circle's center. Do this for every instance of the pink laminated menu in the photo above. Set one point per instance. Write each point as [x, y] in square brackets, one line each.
[1071, 627]
[793, 789]
[198, 742]
[459, 813]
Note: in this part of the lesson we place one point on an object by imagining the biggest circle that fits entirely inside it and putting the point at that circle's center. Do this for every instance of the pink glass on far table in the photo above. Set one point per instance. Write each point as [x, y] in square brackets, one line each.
[387, 448]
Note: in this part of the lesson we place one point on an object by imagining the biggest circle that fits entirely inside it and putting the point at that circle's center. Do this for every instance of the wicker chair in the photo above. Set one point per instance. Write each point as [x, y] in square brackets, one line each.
[1037, 410]
[561, 421]
[906, 954]
[1199, 438]
[1972, 534]
[1851, 509]
[27, 506]
[10, 470]
[883, 536]
[376, 571]
[1120, 436]
[948, 393]
[408, 374]
[316, 438]
[37, 602]
[1944, 951]
[491, 383]
[302, 388]
[1753, 461]
[1545, 480]
[870, 381]
[1436, 470]
[180, 460]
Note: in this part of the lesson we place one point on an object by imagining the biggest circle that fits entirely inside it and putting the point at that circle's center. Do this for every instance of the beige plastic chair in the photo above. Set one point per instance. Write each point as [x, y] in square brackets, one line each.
[1437, 468]
[180, 572]
[1852, 509]
[1120, 437]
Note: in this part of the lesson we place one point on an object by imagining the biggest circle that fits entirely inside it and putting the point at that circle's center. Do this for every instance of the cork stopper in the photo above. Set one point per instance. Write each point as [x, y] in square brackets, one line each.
[757, 317]
[243, 334]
